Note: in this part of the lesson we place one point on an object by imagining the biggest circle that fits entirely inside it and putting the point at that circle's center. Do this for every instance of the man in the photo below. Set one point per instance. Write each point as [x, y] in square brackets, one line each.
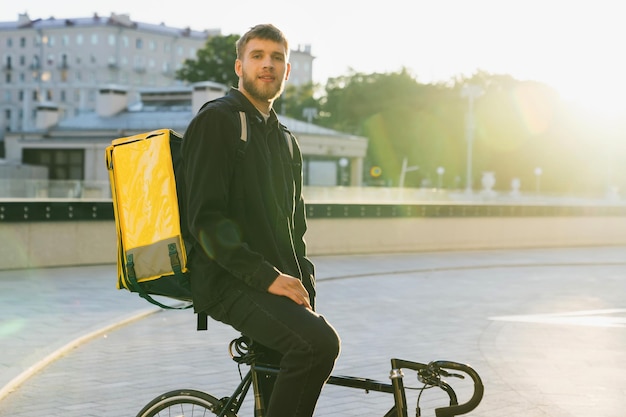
[245, 211]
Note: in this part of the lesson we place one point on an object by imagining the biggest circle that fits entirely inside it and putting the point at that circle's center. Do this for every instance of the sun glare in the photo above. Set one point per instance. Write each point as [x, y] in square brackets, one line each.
[603, 101]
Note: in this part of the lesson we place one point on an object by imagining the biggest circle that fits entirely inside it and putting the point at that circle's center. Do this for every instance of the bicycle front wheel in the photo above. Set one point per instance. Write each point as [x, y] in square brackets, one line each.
[184, 403]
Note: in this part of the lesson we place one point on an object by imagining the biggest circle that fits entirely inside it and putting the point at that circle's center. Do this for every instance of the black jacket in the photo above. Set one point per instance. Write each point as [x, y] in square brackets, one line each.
[244, 204]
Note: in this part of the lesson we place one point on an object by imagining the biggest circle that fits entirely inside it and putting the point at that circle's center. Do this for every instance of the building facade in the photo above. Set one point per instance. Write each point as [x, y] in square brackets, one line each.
[67, 61]
[72, 149]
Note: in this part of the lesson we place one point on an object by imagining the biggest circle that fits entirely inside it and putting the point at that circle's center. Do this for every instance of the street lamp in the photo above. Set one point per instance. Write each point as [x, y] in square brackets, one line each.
[405, 169]
[472, 92]
[440, 171]
[538, 172]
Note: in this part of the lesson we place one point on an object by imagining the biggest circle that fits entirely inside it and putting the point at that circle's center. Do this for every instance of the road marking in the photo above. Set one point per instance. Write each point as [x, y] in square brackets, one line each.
[599, 318]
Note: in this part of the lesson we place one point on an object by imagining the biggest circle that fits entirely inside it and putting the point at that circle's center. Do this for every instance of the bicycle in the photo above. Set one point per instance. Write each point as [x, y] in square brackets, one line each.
[192, 403]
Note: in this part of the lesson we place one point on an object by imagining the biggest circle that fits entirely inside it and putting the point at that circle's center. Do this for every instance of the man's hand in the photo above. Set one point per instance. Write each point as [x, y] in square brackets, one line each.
[292, 288]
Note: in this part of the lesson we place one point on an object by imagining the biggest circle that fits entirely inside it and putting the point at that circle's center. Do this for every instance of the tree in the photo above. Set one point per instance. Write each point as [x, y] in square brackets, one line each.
[401, 118]
[299, 102]
[215, 62]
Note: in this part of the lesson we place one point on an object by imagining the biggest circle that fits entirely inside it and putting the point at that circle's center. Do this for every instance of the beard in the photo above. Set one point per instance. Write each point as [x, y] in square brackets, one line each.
[262, 91]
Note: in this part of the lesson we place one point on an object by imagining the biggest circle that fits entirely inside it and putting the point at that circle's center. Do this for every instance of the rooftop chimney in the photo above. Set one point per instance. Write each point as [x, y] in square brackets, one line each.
[111, 100]
[206, 91]
[47, 115]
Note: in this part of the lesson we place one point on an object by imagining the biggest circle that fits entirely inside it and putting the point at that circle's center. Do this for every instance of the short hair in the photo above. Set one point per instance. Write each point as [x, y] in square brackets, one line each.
[262, 31]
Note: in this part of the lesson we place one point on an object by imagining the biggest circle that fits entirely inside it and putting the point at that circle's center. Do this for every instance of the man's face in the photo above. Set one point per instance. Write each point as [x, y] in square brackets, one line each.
[263, 69]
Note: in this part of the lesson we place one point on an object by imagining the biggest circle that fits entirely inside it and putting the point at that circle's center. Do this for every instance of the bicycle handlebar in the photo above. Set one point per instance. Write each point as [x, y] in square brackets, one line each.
[477, 396]
[438, 367]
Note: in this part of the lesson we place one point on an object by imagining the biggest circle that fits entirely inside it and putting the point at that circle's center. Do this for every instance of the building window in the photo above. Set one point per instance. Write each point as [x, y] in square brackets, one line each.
[94, 38]
[7, 78]
[62, 164]
[65, 40]
[22, 42]
[138, 43]
[111, 40]
[79, 39]
[9, 42]
[22, 60]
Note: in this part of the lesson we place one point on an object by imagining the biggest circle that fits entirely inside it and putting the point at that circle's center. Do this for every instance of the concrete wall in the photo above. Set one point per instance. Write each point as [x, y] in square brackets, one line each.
[60, 243]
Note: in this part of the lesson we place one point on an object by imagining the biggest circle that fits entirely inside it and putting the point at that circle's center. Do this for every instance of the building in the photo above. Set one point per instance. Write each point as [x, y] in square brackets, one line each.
[66, 61]
[72, 149]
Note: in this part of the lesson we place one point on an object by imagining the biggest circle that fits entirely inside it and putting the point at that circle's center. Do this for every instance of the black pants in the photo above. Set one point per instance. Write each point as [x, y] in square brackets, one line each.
[308, 344]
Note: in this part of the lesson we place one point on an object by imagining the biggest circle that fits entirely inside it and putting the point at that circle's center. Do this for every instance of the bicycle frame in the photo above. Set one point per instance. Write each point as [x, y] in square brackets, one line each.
[429, 373]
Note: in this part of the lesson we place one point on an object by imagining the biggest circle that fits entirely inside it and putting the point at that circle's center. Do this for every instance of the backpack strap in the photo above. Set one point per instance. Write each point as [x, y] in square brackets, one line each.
[245, 126]
[245, 132]
[203, 322]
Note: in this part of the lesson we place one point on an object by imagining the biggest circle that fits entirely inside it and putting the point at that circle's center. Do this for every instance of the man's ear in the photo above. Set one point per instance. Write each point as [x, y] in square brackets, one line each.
[238, 67]
[288, 71]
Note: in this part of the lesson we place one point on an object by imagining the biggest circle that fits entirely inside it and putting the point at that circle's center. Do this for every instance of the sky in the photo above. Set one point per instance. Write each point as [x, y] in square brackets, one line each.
[577, 46]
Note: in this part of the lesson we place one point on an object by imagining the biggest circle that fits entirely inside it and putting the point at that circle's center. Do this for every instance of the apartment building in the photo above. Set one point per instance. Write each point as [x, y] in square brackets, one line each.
[72, 150]
[66, 62]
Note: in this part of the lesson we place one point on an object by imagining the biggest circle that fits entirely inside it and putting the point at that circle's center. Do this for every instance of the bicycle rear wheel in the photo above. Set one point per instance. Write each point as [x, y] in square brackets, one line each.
[183, 403]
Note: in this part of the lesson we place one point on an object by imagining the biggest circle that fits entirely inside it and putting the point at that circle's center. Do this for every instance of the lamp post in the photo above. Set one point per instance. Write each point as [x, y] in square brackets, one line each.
[440, 172]
[538, 172]
[405, 169]
[471, 92]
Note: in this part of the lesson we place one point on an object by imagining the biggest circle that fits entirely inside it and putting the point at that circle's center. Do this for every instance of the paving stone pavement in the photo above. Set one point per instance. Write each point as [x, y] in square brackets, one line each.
[545, 328]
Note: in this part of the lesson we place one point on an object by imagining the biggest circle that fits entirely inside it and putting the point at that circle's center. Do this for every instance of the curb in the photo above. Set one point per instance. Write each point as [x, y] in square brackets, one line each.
[47, 360]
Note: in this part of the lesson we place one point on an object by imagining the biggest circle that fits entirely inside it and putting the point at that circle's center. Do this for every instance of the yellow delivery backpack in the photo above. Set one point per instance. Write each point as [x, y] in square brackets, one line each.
[145, 186]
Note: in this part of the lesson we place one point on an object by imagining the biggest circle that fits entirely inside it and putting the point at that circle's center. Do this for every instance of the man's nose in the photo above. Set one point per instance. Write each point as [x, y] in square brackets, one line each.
[268, 62]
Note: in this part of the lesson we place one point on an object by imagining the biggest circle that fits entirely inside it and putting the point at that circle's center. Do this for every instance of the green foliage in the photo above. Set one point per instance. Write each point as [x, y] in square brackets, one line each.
[519, 126]
[401, 118]
[299, 102]
[215, 62]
